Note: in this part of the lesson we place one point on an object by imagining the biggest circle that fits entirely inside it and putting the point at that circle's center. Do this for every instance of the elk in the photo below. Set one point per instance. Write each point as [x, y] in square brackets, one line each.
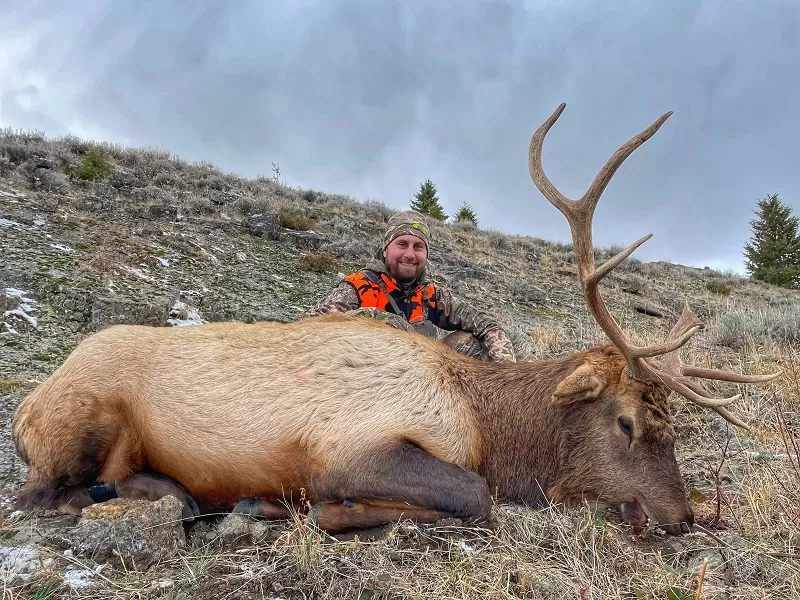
[358, 424]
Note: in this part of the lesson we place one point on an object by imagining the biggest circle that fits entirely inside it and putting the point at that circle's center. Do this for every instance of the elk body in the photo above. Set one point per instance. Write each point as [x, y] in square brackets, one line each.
[365, 423]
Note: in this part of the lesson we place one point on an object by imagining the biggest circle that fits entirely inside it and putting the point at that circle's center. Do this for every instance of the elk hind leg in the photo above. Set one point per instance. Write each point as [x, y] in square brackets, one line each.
[399, 481]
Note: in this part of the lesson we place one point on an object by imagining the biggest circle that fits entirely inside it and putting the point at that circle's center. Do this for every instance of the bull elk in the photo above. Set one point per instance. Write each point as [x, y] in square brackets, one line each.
[359, 424]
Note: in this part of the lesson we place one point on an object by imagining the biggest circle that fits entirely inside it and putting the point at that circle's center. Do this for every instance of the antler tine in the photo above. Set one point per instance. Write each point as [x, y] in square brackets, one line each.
[717, 408]
[720, 375]
[579, 215]
[675, 374]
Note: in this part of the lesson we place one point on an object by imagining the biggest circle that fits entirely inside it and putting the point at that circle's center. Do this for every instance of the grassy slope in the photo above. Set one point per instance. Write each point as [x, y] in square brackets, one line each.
[84, 254]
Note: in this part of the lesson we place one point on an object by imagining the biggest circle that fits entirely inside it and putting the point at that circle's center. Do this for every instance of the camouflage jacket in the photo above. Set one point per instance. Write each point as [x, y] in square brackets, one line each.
[450, 314]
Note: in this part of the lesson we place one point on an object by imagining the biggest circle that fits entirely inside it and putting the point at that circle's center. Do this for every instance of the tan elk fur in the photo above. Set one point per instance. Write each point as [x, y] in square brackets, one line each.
[233, 410]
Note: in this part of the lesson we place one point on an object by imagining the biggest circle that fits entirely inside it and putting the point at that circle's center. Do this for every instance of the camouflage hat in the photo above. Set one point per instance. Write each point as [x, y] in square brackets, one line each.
[409, 222]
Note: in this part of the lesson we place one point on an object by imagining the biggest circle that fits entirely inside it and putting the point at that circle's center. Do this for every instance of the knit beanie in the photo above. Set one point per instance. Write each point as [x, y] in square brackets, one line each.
[409, 222]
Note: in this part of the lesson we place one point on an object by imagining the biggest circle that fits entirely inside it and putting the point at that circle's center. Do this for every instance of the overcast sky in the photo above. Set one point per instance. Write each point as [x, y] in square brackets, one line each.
[369, 98]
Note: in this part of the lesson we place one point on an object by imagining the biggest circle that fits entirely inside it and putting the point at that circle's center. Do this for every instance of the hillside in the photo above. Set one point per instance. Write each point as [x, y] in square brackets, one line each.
[163, 242]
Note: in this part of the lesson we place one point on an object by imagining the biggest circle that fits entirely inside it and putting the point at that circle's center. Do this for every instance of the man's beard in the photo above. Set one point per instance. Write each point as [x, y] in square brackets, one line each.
[404, 276]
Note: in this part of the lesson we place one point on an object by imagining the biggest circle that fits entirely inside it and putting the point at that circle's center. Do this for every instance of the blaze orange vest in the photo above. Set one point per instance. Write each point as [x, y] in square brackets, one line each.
[374, 291]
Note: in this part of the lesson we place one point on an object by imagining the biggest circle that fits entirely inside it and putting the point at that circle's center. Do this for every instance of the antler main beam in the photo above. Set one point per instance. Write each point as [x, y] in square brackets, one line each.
[579, 213]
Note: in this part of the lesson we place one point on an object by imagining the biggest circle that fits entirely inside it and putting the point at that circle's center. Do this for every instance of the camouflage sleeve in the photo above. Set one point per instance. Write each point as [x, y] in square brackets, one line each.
[343, 298]
[455, 314]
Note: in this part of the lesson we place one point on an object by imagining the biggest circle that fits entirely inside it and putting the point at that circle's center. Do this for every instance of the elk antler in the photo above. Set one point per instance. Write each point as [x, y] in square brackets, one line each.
[674, 374]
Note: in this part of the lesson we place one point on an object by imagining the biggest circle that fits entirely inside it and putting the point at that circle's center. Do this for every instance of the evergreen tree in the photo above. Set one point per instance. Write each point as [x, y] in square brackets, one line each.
[95, 166]
[427, 202]
[773, 252]
[465, 213]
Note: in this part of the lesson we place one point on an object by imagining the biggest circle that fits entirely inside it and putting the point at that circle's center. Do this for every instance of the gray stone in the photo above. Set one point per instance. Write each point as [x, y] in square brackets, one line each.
[265, 226]
[107, 310]
[132, 534]
[648, 309]
[239, 530]
[305, 240]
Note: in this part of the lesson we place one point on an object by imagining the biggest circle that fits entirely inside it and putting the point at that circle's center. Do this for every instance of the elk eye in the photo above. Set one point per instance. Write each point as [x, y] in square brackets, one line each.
[626, 426]
[648, 399]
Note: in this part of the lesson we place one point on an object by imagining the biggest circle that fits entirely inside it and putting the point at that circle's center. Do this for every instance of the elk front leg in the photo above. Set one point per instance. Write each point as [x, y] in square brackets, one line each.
[401, 481]
[139, 486]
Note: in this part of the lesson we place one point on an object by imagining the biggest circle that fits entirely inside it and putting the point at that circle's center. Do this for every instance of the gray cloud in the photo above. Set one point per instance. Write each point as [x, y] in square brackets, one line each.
[370, 99]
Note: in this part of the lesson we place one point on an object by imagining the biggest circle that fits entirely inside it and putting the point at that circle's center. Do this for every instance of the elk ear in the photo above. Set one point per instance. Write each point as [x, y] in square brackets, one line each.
[583, 383]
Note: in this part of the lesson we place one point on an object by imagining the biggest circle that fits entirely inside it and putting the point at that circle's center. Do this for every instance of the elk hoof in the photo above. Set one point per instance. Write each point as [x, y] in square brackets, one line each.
[248, 506]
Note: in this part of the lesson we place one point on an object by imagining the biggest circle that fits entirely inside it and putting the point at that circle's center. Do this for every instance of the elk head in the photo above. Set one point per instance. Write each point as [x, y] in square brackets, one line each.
[629, 451]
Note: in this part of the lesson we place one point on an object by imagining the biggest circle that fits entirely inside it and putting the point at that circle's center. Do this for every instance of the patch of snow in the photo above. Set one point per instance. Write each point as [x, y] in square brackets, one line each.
[18, 312]
[39, 222]
[9, 223]
[23, 311]
[81, 578]
[138, 272]
[164, 262]
[288, 284]
[20, 562]
[181, 316]
[61, 247]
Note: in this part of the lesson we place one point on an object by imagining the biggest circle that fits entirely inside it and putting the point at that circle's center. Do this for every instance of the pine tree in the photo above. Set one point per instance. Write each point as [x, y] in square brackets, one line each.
[427, 202]
[773, 252]
[464, 214]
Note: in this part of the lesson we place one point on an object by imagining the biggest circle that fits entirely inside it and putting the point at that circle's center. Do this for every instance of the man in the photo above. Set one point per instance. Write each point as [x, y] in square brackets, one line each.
[396, 289]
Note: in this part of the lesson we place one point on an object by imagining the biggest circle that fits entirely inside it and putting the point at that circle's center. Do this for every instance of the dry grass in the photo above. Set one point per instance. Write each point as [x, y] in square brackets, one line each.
[293, 220]
[318, 262]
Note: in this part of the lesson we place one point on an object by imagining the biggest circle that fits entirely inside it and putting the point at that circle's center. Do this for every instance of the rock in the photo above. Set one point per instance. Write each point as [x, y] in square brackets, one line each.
[134, 534]
[305, 240]
[239, 529]
[107, 310]
[265, 226]
[123, 179]
[648, 309]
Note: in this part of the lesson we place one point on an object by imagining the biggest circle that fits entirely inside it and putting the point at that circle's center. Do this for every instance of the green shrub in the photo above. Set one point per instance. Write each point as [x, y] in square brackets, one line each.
[95, 166]
[718, 287]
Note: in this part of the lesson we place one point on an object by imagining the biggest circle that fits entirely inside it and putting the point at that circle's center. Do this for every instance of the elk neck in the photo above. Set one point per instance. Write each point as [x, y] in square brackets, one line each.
[522, 429]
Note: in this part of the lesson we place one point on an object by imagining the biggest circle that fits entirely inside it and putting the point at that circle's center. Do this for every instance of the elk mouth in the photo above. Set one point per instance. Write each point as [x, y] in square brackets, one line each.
[637, 516]
[633, 514]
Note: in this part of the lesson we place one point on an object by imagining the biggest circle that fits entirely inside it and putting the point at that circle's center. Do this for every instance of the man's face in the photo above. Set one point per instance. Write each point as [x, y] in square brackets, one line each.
[405, 257]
